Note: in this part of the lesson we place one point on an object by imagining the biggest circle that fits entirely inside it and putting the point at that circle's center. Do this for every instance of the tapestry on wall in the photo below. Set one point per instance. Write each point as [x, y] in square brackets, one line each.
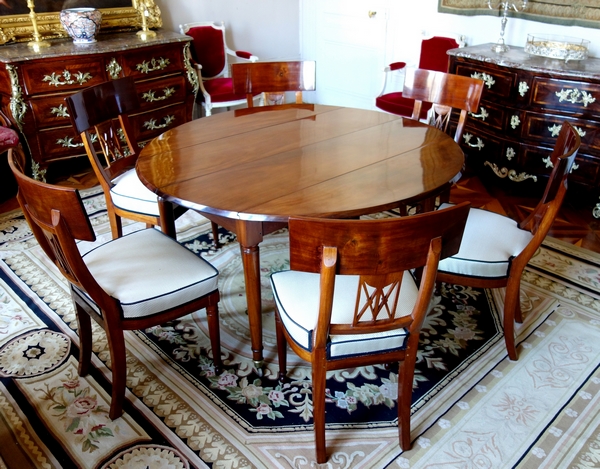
[584, 13]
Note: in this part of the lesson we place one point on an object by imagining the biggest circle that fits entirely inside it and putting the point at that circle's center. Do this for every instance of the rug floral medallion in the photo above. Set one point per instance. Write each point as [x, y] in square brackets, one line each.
[472, 407]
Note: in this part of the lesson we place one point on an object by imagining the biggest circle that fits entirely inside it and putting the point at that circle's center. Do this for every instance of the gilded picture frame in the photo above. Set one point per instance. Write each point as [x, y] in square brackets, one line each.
[19, 28]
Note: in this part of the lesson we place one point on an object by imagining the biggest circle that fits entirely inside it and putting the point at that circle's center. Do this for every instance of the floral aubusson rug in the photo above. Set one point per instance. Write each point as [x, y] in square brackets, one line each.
[472, 407]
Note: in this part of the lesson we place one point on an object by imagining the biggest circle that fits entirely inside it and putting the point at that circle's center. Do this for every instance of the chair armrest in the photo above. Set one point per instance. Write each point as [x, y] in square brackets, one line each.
[241, 54]
[394, 66]
[390, 68]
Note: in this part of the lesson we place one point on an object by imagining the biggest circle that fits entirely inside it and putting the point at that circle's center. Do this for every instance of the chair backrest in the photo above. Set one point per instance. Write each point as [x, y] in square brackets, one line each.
[273, 77]
[379, 251]
[208, 47]
[57, 218]
[434, 52]
[445, 91]
[100, 115]
[562, 158]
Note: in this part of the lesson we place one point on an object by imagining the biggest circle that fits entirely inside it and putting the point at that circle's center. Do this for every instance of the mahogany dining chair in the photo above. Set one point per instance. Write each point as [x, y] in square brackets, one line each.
[274, 79]
[350, 299]
[136, 281]
[100, 114]
[496, 249]
[444, 92]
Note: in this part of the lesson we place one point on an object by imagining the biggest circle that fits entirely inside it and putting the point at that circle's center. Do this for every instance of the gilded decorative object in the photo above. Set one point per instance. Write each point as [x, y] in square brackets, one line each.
[19, 28]
[575, 96]
[557, 47]
[144, 9]
[505, 7]
[510, 173]
[152, 125]
[37, 42]
[153, 65]
[82, 24]
[114, 69]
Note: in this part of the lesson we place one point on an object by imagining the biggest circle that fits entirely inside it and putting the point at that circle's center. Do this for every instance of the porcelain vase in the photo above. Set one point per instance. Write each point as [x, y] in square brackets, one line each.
[82, 24]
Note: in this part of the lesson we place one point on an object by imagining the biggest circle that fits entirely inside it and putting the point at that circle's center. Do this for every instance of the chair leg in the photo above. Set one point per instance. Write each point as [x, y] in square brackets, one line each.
[116, 343]
[511, 305]
[215, 232]
[116, 227]
[84, 326]
[212, 314]
[281, 349]
[405, 385]
[319, 376]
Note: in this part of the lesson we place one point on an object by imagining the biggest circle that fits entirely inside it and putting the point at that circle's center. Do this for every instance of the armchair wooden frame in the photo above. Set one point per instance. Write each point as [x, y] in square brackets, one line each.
[58, 219]
[379, 252]
[210, 59]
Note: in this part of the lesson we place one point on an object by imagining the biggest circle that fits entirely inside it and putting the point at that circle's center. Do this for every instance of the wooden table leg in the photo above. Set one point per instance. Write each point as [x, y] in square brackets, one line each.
[249, 236]
[167, 219]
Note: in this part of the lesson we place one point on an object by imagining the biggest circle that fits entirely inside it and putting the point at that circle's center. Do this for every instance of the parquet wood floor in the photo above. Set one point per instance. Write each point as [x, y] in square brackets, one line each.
[575, 224]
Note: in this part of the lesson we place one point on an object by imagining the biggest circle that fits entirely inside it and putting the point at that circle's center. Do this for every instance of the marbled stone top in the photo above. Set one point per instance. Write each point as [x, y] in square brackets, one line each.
[517, 58]
[106, 43]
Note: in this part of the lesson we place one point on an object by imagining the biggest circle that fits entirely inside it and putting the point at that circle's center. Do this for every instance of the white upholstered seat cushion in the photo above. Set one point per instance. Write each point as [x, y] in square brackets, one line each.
[488, 242]
[297, 298]
[128, 193]
[148, 272]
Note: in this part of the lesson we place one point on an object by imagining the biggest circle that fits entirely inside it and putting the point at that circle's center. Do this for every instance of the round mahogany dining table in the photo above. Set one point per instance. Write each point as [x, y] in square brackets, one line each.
[249, 171]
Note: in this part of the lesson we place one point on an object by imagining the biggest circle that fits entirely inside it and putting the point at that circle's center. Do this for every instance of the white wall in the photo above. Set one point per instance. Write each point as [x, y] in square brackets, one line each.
[278, 29]
[266, 28]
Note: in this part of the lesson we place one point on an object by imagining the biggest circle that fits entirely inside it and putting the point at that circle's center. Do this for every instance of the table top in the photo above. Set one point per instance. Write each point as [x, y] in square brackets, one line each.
[326, 162]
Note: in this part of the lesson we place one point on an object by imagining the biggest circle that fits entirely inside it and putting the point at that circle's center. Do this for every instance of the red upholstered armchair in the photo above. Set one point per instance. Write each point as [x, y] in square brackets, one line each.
[433, 57]
[209, 53]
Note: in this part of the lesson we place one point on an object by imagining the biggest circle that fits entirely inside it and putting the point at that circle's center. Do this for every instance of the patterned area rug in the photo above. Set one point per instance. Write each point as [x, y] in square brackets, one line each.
[472, 407]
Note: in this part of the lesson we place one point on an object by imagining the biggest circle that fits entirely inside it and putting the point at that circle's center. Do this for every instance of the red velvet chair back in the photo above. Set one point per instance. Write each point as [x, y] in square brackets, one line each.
[208, 49]
[433, 53]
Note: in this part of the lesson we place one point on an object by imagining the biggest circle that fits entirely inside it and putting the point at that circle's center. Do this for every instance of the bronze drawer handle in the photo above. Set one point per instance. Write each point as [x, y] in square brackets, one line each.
[467, 138]
[152, 125]
[482, 115]
[555, 130]
[150, 95]
[575, 96]
[488, 79]
[510, 173]
[66, 78]
[153, 65]
[548, 162]
[67, 142]
[60, 111]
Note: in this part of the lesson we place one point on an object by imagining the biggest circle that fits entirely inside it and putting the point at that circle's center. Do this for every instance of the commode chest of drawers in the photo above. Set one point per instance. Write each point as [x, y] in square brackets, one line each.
[33, 86]
[525, 100]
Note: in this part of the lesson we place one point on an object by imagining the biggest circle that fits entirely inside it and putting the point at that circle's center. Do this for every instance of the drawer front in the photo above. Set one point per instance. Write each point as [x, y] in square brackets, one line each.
[498, 83]
[50, 111]
[544, 128]
[490, 115]
[59, 143]
[159, 93]
[151, 124]
[565, 95]
[586, 169]
[152, 63]
[62, 75]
